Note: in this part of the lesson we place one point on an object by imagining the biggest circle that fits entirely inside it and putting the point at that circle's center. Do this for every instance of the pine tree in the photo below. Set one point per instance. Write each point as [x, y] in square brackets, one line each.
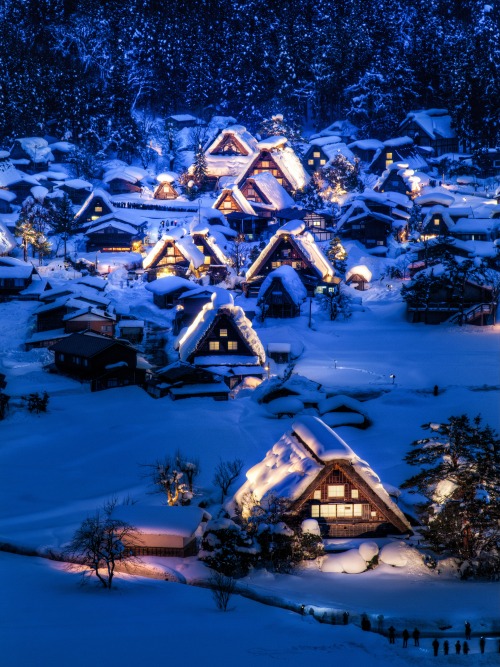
[64, 222]
[200, 167]
[459, 479]
[34, 221]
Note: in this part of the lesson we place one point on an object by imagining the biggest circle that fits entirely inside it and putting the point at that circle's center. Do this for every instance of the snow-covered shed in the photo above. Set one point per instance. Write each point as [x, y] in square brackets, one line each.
[166, 185]
[325, 480]
[33, 149]
[95, 206]
[7, 240]
[359, 277]
[182, 380]
[77, 189]
[162, 531]
[167, 289]
[281, 293]
[15, 275]
[294, 246]
[113, 232]
[222, 337]
[122, 180]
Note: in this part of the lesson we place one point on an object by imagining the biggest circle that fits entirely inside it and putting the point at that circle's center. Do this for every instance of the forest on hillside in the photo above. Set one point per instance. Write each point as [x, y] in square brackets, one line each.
[78, 69]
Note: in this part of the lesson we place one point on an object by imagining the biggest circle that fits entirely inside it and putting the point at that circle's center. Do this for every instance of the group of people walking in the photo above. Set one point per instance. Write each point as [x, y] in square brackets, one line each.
[459, 646]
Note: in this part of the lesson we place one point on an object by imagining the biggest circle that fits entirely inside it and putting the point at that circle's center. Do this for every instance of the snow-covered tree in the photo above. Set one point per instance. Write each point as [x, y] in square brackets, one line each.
[167, 478]
[34, 221]
[459, 479]
[64, 222]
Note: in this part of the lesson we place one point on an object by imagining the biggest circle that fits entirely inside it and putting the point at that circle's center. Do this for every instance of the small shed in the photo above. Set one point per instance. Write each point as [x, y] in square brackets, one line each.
[163, 531]
[359, 277]
[279, 352]
[167, 289]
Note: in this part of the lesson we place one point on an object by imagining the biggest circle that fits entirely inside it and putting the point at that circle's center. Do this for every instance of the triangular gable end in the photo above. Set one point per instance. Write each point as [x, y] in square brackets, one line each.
[165, 190]
[228, 145]
[298, 260]
[251, 191]
[93, 208]
[222, 322]
[166, 253]
[264, 162]
[228, 204]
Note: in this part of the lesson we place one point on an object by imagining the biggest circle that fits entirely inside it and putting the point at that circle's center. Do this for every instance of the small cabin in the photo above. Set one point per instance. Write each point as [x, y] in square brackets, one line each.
[281, 162]
[94, 207]
[163, 531]
[359, 277]
[432, 128]
[182, 380]
[77, 189]
[15, 276]
[90, 319]
[113, 235]
[166, 290]
[90, 356]
[166, 186]
[437, 222]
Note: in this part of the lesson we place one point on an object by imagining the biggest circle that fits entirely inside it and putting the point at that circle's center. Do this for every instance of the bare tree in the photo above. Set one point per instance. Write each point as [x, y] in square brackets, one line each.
[222, 589]
[167, 476]
[225, 474]
[100, 544]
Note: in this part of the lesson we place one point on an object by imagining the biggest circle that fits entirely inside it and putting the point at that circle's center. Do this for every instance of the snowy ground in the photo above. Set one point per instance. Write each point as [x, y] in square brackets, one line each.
[56, 467]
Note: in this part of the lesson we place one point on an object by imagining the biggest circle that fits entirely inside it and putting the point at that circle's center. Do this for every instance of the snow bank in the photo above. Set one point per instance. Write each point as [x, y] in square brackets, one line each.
[350, 562]
[368, 550]
[395, 554]
[289, 405]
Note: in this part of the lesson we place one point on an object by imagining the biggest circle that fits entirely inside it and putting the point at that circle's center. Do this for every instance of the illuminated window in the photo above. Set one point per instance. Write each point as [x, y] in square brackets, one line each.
[335, 490]
[170, 250]
[436, 222]
[227, 203]
[315, 510]
[311, 162]
[275, 265]
[207, 259]
[316, 154]
[317, 495]
[213, 345]
[200, 248]
[98, 209]
[223, 332]
[265, 164]
[322, 162]
[373, 513]
[296, 265]
[354, 493]
[389, 156]
[388, 163]
[166, 188]
[358, 509]
[232, 345]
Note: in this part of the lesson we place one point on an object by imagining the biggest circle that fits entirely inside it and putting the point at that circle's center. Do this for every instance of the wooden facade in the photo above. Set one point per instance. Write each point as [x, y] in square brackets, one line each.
[165, 190]
[90, 321]
[229, 144]
[223, 338]
[264, 162]
[393, 182]
[277, 301]
[315, 159]
[122, 186]
[169, 262]
[112, 238]
[95, 208]
[344, 505]
[369, 229]
[478, 304]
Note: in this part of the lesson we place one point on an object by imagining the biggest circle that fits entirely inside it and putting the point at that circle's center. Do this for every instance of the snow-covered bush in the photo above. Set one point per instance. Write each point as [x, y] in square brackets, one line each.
[368, 550]
[227, 548]
[350, 562]
[395, 554]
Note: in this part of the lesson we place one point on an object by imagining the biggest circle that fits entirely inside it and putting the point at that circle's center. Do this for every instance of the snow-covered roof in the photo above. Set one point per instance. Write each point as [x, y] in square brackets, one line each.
[290, 281]
[111, 223]
[10, 267]
[155, 520]
[98, 192]
[77, 184]
[169, 284]
[360, 270]
[39, 192]
[273, 191]
[11, 176]
[305, 242]
[7, 196]
[296, 459]
[367, 145]
[167, 177]
[475, 225]
[443, 212]
[434, 122]
[62, 146]
[129, 173]
[235, 192]
[7, 240]
[271, 143]
[324, 141]
[248, 142]
[220, 304]
[292, 167]
[397, 142]
[36, 148]
[435, 197]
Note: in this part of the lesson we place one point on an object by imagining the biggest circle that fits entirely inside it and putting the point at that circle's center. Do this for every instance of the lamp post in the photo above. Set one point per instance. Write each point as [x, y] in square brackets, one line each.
[393, 377]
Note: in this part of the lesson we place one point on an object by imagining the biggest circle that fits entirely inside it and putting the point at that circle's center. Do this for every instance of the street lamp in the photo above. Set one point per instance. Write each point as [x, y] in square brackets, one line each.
[393, 377]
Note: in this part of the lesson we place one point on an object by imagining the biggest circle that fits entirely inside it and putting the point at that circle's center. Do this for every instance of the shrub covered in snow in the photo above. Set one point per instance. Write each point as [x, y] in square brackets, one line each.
[227, 548]
[395, 554]
[368, 550]
[350, 562]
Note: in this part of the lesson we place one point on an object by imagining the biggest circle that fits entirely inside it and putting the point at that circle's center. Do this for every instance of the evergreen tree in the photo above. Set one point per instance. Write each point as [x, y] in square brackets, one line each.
[200, 167]
[64, 222]
[34, 221]
[459, 479]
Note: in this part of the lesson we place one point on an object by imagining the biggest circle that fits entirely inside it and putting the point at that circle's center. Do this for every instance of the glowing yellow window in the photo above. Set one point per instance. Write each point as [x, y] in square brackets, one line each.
[322, 162]
[316, 154]
[336, 491]
[232, 345]
[311, 162]
[317, 494]
[223, 332]
[98, 209]
[354, 493]
[436, 222]
[389, 156]
[213, 345]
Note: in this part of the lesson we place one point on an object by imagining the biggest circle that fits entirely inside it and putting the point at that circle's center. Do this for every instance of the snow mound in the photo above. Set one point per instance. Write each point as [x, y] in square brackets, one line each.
[349, 562]
[311, 527]
[396, 554]
[368, 550]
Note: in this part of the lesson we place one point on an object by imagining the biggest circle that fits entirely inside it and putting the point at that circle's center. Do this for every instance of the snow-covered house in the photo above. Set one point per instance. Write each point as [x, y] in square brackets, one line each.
[366, 149]
[319, 223]
[295, 246]
[221, 338]
[343, 129]
[17, 183]
[52, 313]
[162, 531]
[77, 189]
[323, 150]
[107, 362]
[90, 318]
[167, 289]
[398, 177]
[33, 152]
[6, 199]
[399, 149]
[230, 153]
[282, 293]
[114, 232]
[182, 120]
[433, 128]
[95, 206]
[15, 276]
[359, 277]
[125, 179]
[325, 480]
[182, 380]
[166, 186]
[179, 252]
[476, 229]
[437, 222]
[61, 150]
[276, 157]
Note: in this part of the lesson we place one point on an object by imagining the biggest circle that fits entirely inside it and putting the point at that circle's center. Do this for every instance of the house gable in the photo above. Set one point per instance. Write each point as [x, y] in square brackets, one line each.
[168, 255]
[165, 190]
[251, 191]
[222, 338]
[315, 159]
[93, 208]
[228, 144]
[228, 204]
[264, 162]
